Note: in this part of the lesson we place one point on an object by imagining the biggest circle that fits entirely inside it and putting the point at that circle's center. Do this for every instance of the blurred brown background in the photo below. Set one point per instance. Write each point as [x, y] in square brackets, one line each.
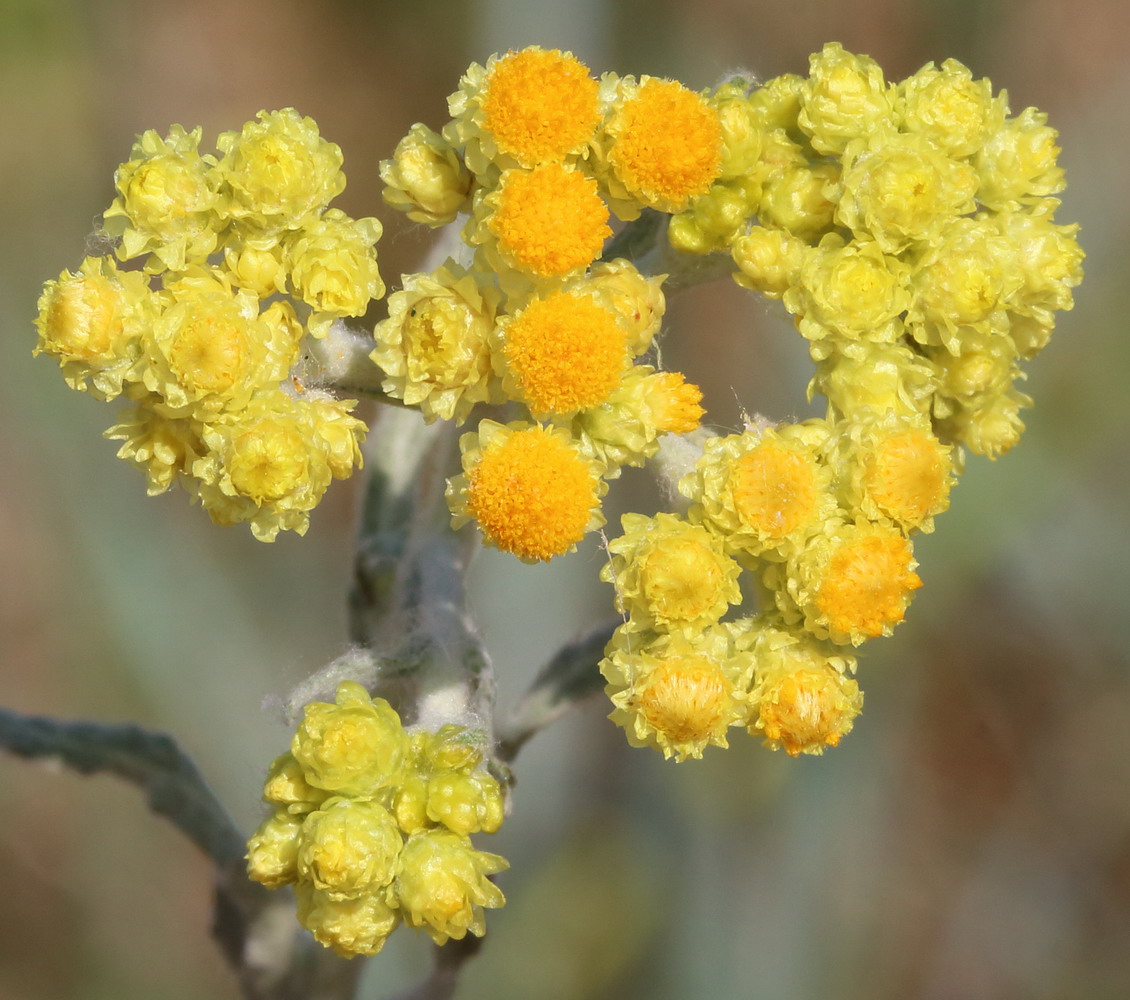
[971, 838]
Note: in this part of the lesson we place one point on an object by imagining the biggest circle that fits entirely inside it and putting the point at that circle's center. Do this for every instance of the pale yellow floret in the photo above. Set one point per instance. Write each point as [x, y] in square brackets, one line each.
[626, 429]
[769, 260]
[884, 378]
[263, 272]
[529, 488]
[92, 322]
[662, 143]
[443, 885]
[852, 291]
[465, 802]
[286, 786]
[332, 267]
[426, 179]
[960, 282]
[803, 698]
[801, 199]
[765, 490]
[547, 223]
[164, 447]
[850, 584]
[562, 353]
[435, 347]
[270, 463]
[844, 98]
[353, 747]
[350, 927]
[167, 203]
[901, 190]
[348, 847]
[272, 851]
[670, 575]
[952, 109]
[1018, 162]
[208, 351]
[991, 427]
[676, 694]
[637, 301]
[276, 173]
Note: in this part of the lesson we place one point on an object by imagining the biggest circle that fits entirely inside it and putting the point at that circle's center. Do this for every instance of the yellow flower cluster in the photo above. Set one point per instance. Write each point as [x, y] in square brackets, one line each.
[371, 826]
[908, 229]
[538, 156]
[235, 258]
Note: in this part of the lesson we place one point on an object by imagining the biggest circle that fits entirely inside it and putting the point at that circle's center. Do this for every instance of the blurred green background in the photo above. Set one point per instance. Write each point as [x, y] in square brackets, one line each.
[971, 838]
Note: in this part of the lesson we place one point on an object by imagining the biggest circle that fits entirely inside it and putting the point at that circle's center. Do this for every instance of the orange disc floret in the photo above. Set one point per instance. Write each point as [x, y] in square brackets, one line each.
[908, 477]
[667, 144]
[529, 488]
[540, 104]
[675, 403]
[687, 699]
[866, 585]
[805, 711]
[565, 353]
[549, 221]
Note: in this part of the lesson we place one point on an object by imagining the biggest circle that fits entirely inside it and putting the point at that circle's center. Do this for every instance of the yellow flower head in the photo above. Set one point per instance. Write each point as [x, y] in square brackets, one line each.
[960, 282]
[663, 145]
[262, 272]
[893, 467]
[286, 786]
[546, 223]
[333, 267]
[358, 926]
[167, 203]
[277, 172]
[952, 109]
[434, 348]
[208, 350]
[562, 353]
[353, 747]
[743, 136]
[443, 885]
[1048, 263]
[845, 97]
[803, 699]
[670, 575]
[164, 447]
[765, 490]
[92, 322]
[626, 429]
[1018, 162]
[349, 847]
[676, 694]
[529, 488]
[270, 463]
[852, 583]
[272, 851]
[801, 199]
[853, 291]
[525, 108]
[769, 260]
[990, 427]
[885, 377]
[901, 190]
[426, 179]
[465, 802]
[635, 300]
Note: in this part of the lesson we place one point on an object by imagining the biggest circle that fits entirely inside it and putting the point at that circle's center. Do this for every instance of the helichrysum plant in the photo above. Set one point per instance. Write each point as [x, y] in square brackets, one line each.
[907, 227]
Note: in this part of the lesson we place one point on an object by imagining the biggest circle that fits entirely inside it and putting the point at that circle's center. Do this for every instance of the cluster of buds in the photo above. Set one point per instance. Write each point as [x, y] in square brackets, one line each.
[236, 259]
[908, 229]
[371, 826]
